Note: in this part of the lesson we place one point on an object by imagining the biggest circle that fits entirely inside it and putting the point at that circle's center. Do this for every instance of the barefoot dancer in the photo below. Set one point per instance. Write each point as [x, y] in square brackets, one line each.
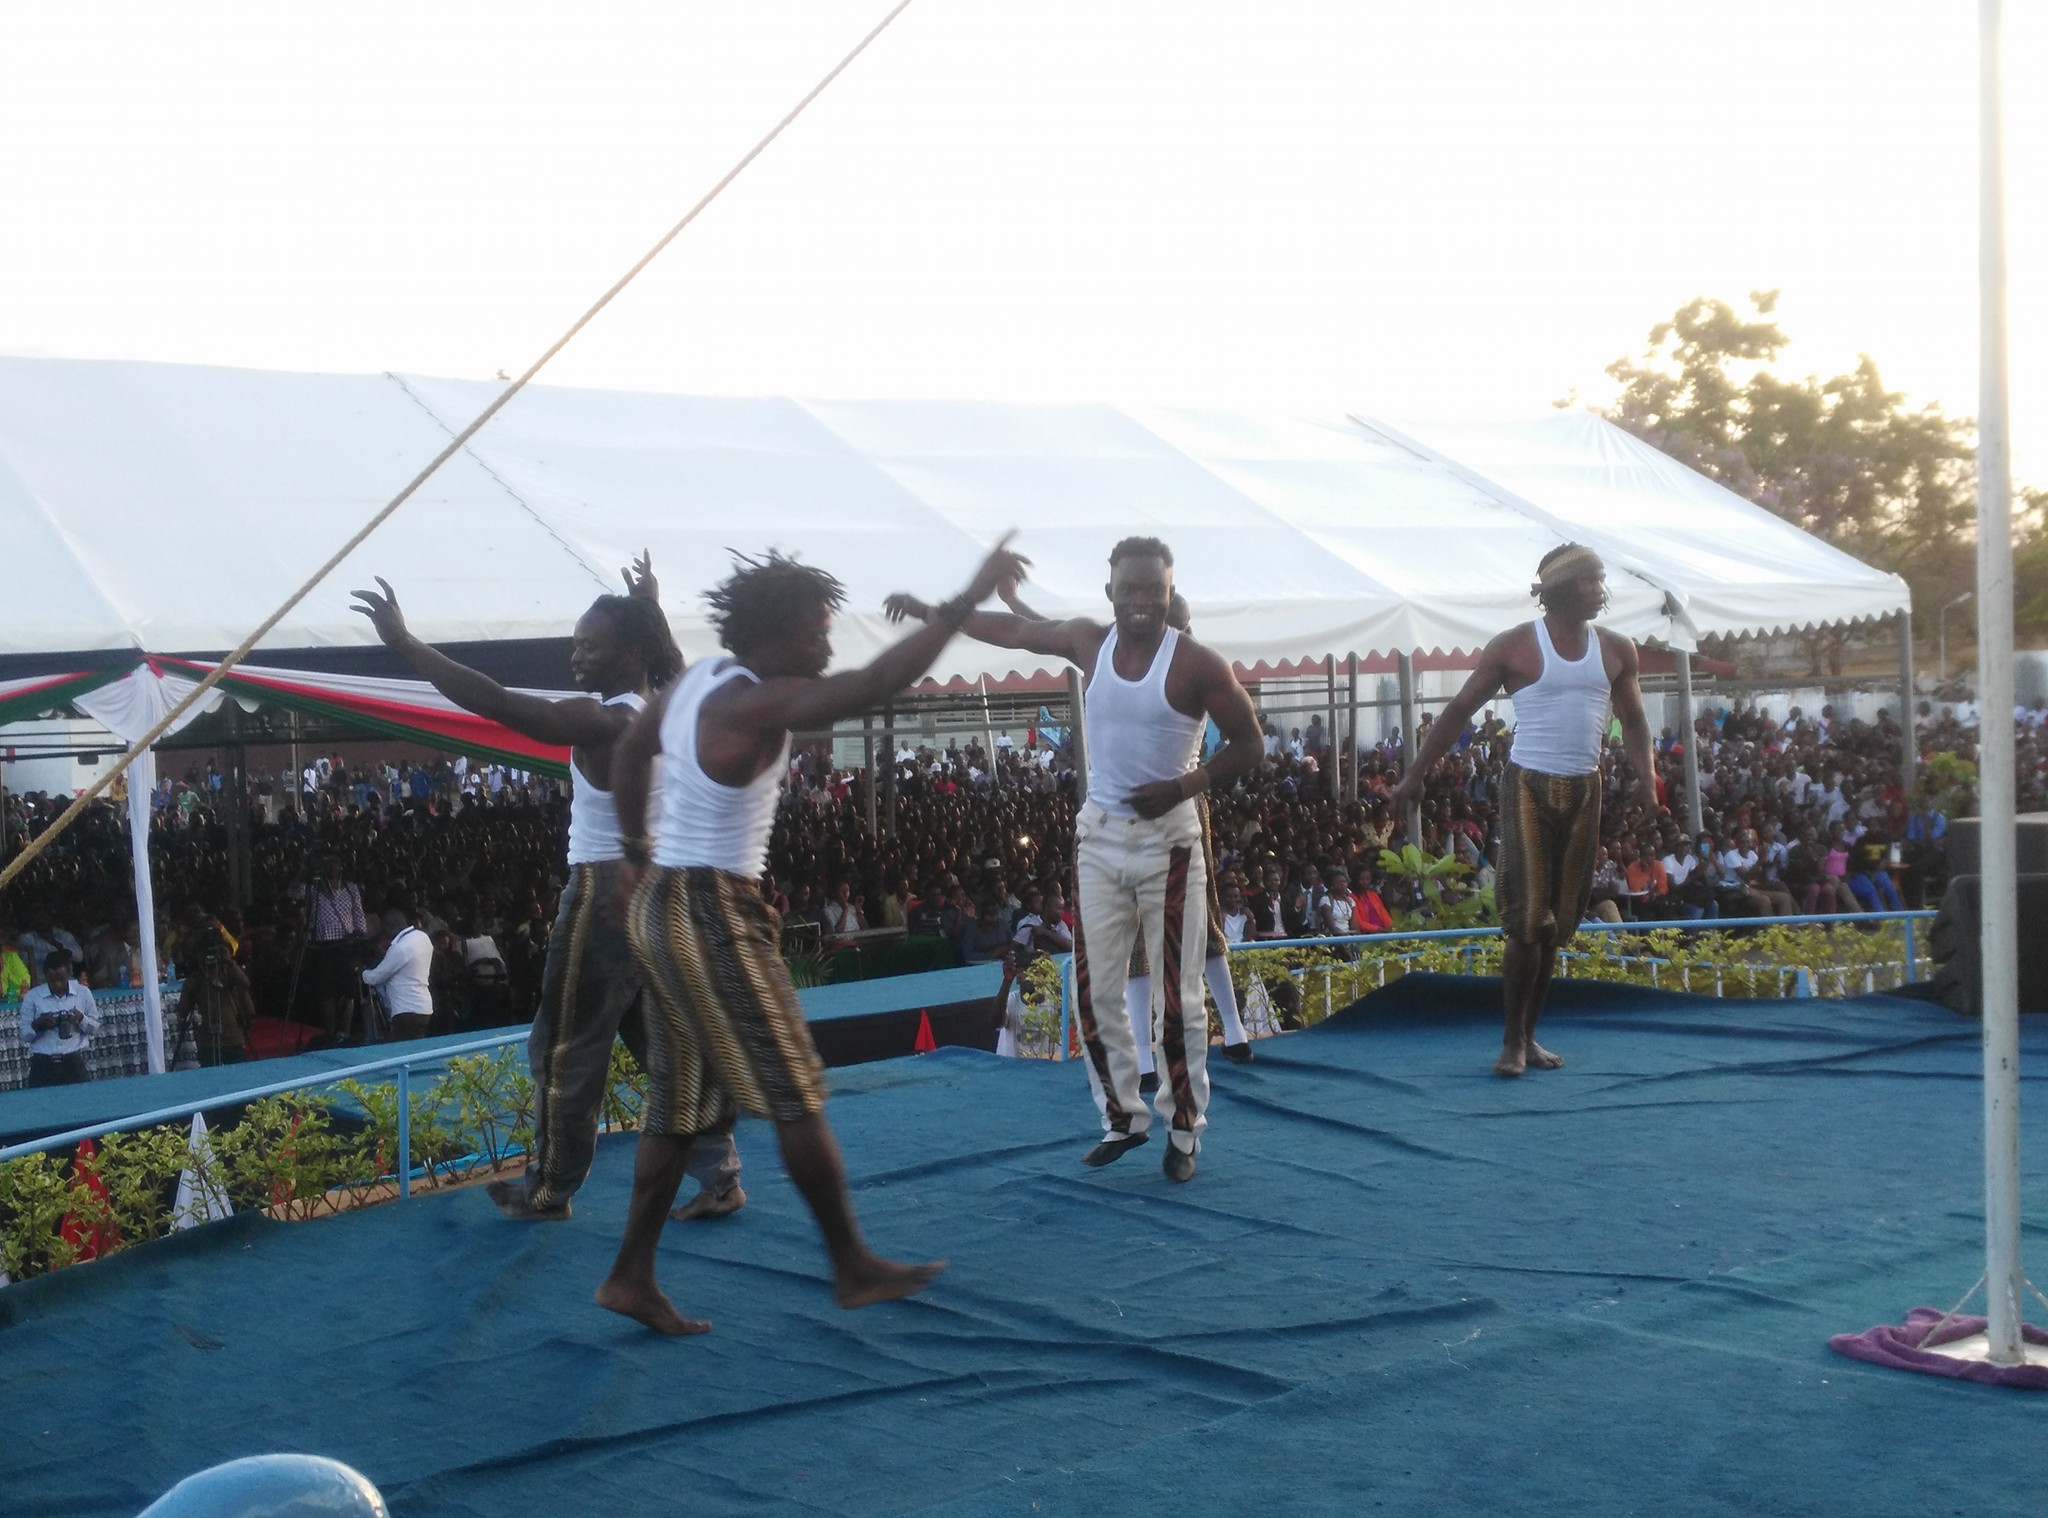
[725, 1026]
[1561, 672]
[1139, 867]
[591, 990]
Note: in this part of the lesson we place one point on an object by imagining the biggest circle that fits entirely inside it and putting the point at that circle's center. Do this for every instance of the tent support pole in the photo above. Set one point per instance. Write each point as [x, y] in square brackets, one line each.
[1351, 734]
[1689, 738]
[1329, 759]
[141, 785]
[889, 781]
[867, 743]
[1404, 671]
[2005, 1281]
[1077, 743]
[1909, 753]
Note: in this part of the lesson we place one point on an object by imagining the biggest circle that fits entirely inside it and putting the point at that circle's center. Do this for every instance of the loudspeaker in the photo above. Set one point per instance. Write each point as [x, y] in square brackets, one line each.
[1966, 844]
[1956, 945]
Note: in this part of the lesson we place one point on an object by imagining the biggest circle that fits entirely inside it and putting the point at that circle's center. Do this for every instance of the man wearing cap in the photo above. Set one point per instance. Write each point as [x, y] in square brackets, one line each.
[1562, 673]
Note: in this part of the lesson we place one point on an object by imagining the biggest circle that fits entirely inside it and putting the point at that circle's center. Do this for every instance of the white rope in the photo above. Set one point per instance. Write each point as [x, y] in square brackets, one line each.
[455, 444]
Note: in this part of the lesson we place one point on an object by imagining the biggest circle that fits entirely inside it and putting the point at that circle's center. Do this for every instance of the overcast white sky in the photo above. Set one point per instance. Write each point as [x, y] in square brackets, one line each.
[1419, 210]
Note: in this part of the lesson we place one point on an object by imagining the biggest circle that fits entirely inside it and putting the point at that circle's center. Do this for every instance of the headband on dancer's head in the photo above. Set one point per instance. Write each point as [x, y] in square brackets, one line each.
[1569, 565]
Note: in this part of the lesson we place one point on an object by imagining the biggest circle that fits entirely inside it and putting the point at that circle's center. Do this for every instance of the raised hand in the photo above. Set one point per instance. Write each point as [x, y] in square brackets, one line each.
[383, 613]
[1003, 567]
[639, 578]
[904, 606]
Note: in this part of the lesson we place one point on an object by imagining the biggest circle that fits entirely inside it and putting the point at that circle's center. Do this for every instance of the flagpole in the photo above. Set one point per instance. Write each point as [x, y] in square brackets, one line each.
[2005, 1282]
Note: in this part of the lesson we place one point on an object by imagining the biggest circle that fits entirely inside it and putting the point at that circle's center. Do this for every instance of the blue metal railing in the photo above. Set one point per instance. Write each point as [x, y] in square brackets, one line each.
[1689, 925]
[402, 1063]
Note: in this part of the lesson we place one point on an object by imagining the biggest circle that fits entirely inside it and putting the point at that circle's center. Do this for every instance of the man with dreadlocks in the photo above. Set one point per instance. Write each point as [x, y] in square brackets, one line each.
[726, 1027]
[1140, 865]
[591, 988]
[1562, 673]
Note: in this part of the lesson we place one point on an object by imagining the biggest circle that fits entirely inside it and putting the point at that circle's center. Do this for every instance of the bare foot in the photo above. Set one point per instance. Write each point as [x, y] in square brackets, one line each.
[1511, 1062]
[878, 1280]
[647, 1305]
[1540, 1058]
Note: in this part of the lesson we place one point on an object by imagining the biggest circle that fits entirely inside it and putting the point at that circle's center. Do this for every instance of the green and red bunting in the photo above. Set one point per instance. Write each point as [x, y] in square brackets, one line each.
[408, 709]
[22, 700]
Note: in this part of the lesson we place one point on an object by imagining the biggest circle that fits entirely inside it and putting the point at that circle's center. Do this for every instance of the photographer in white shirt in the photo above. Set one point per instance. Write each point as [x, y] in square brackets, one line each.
[401, 976]
[58, 1020]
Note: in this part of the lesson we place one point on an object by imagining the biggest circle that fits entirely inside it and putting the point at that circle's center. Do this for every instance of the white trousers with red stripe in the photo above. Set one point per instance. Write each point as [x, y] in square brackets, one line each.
[1134, 877]
[1138, 1005]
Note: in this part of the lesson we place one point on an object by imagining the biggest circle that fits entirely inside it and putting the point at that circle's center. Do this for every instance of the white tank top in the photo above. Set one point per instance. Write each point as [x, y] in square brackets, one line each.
[1562, 716]
[702, 821]
[1134, 735]
[593, 815]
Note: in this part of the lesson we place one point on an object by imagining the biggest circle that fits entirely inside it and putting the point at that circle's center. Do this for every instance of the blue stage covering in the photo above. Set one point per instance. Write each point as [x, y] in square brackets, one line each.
[1397, 1284]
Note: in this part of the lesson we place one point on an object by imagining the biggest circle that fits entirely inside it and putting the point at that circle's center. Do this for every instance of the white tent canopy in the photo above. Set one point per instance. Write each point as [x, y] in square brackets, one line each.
[169, 508]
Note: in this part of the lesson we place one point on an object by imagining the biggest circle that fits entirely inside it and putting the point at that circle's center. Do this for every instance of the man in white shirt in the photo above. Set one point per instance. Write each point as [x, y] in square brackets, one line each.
[402, 976]
[58, 1020]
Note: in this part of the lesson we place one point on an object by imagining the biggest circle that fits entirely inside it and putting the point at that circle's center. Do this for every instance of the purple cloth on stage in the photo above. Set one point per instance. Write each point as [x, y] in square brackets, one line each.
[1897, 1345]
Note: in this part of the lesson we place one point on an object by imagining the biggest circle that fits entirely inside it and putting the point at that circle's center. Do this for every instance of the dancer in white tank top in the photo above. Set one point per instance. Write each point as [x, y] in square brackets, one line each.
[726, 1028]
[1139, 865]
[1563, 674]
[591, 989]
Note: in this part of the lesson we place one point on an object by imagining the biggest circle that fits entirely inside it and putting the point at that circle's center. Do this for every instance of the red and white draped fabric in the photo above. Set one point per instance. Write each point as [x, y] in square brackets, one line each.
[23, 699]
[408, 709]
[130, 703]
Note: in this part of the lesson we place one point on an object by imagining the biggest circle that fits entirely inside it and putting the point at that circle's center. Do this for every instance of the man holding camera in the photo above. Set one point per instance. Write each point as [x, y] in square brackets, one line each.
[58, 1020]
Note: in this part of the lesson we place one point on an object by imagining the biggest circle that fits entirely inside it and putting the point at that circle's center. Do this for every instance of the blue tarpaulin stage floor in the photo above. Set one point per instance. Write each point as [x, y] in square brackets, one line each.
[1398, 1284]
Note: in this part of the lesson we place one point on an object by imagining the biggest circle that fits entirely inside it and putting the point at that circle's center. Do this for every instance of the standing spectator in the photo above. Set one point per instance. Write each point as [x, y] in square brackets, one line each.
[14, 976]
[404, 976]
[58, 1020]
[335, 932]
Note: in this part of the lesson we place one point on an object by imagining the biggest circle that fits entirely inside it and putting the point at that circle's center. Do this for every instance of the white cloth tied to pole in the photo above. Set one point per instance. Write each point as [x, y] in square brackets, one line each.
[201, 1197]
[128, 708]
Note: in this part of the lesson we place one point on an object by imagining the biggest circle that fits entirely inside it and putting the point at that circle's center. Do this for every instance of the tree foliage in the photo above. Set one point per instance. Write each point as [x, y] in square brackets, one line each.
[1844, 458]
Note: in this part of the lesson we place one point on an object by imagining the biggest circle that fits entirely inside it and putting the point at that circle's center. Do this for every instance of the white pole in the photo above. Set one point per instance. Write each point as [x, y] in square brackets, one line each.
[141, 784]
[1404, 670]
[2004, 1281]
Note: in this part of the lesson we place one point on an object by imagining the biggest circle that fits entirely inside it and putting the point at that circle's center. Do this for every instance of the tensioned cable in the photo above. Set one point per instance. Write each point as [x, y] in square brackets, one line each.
[70, 814]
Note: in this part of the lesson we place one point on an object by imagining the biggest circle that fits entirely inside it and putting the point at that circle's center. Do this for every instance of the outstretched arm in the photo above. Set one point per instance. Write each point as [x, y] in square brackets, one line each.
[1481, 688]
[1074, 640]
[782, 704]
[560, 722]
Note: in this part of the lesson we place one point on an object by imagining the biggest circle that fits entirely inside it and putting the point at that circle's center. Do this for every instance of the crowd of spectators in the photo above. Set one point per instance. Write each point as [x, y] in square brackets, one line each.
[1807, 814]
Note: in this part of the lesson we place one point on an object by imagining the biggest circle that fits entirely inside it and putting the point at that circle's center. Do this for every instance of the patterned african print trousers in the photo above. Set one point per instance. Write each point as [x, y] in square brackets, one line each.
[1134, 881]
[591, 992]
[725, 1028]
[1549, 827]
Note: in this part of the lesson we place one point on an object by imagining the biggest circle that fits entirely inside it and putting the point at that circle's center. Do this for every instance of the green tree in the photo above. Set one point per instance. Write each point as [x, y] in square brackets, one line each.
[1844, 458]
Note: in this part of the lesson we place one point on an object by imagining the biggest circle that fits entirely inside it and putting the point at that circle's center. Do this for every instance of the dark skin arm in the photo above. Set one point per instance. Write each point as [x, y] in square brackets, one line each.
[1076, 640]
[752, 718]
[1201, 682]
[576, 723]
[632, 781]
[1500, 663]
[1484, 683]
